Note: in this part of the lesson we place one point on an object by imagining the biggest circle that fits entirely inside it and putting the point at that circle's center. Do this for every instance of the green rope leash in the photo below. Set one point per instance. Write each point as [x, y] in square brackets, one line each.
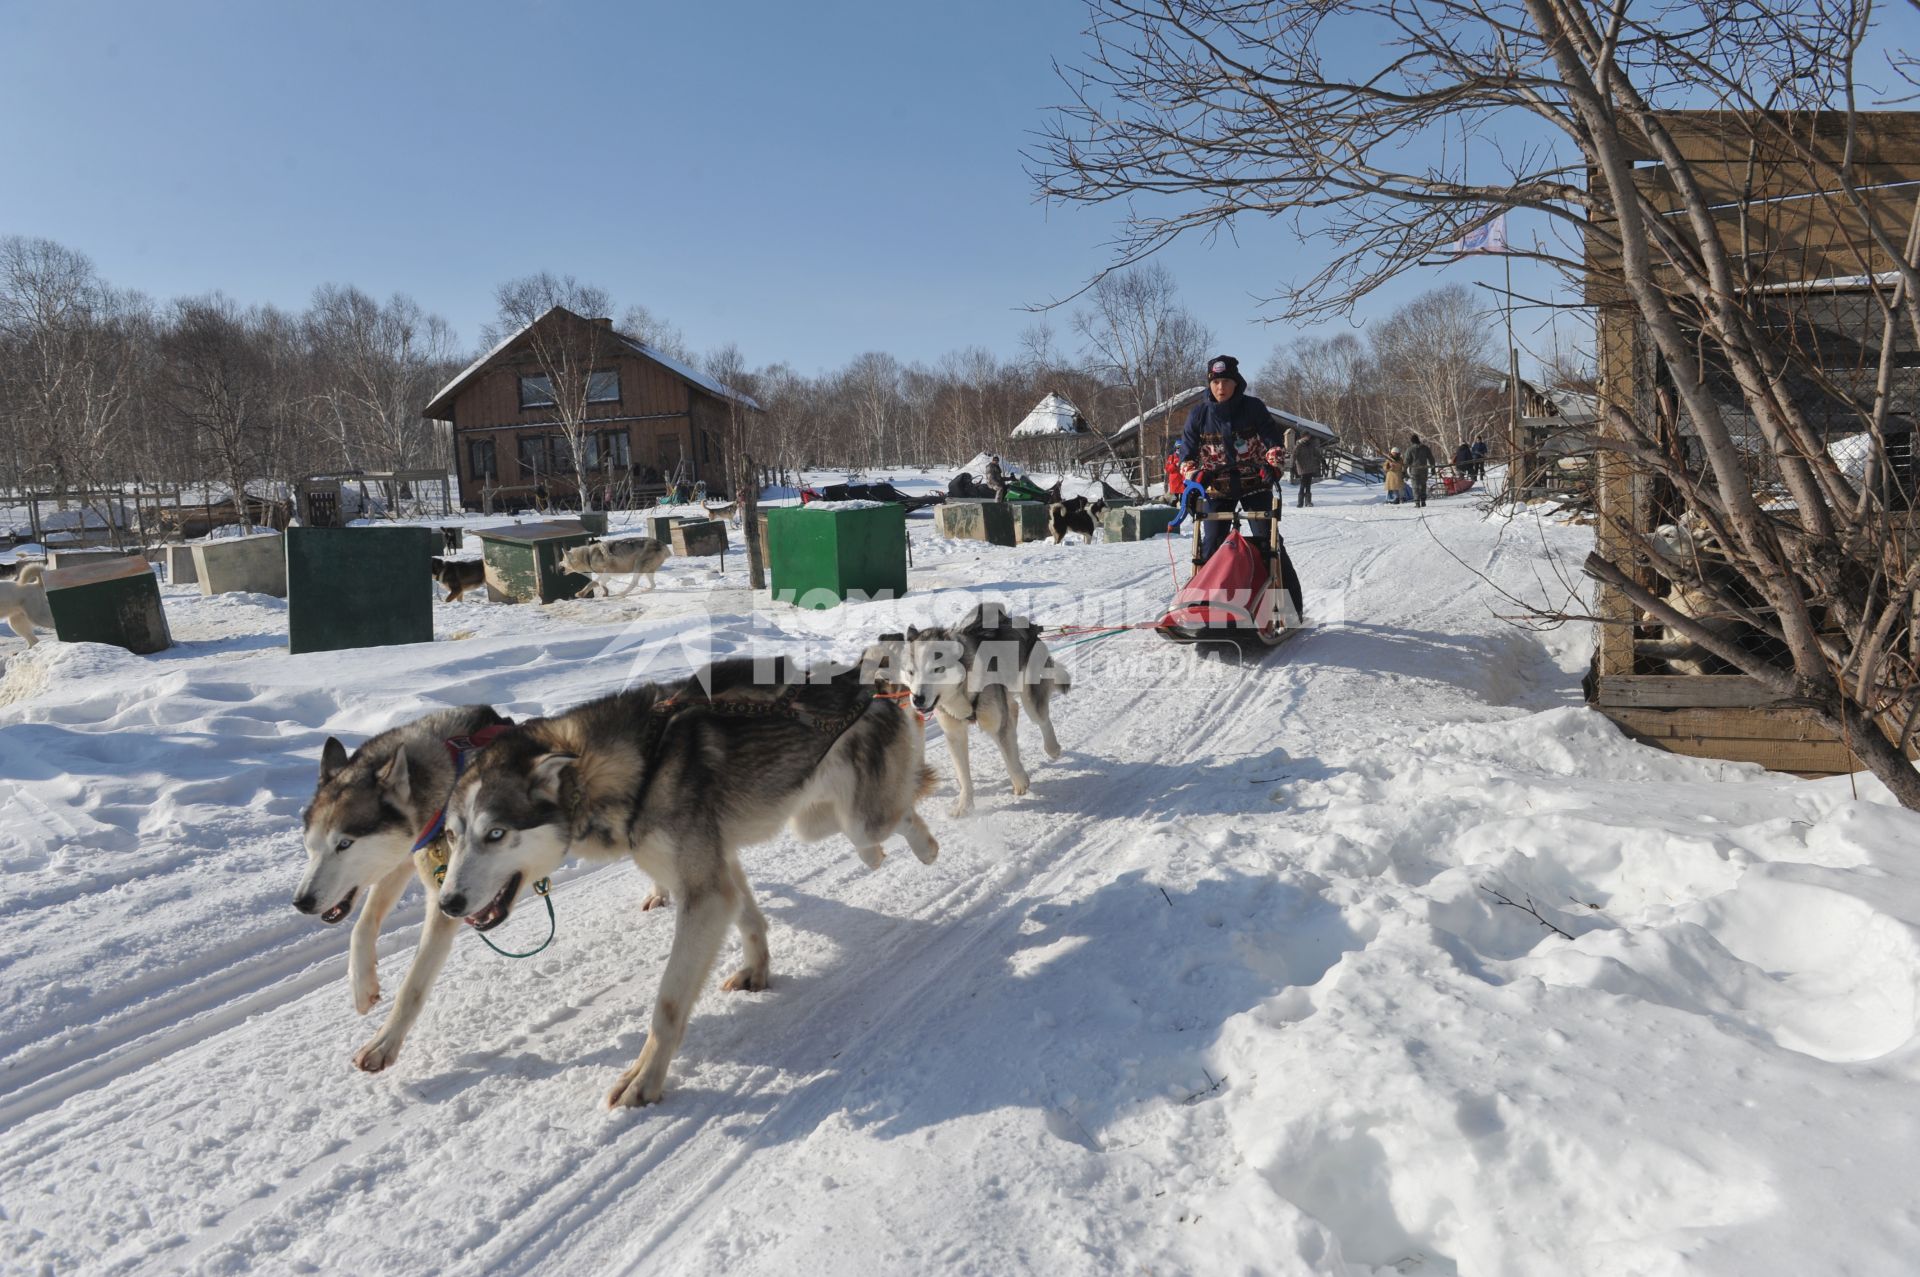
[1094, 638]
[542, 889]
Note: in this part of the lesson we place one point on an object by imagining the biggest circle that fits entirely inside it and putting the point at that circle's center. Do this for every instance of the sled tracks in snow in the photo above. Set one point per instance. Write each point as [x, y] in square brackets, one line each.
[677, 1173]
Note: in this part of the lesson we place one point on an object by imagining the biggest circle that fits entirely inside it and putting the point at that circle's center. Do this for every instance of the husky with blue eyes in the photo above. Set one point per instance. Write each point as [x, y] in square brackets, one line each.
[678, 779]
[368, 812]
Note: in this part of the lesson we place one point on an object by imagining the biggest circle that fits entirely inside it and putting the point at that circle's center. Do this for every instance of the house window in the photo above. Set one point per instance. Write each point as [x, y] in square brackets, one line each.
[533, 457]
[536, 391]
[480, 459]
[609, 448]
[603, 387]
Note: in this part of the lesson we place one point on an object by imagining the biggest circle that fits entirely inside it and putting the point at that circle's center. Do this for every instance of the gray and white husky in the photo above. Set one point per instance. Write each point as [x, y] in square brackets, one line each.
[631, 557]
[367, 811]
[982, 671]
[678, 779]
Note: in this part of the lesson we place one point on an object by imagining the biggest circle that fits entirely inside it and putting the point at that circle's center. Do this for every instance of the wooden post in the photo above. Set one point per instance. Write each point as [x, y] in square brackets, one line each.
[747, 497]
[1615, 503]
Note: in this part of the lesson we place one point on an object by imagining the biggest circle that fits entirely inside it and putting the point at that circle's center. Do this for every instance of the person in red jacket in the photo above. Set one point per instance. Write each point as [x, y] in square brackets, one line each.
[1176, 482]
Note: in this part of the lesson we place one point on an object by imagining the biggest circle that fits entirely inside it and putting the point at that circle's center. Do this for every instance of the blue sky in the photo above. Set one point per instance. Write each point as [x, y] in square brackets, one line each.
[808, 180]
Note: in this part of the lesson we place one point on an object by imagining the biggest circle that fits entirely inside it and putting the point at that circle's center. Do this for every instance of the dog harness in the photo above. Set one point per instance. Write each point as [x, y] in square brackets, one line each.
[781, 706]
[432, 843]
[461, 749]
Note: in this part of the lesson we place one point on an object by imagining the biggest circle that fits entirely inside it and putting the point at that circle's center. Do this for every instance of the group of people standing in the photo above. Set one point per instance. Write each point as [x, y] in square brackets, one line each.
[1407, 475]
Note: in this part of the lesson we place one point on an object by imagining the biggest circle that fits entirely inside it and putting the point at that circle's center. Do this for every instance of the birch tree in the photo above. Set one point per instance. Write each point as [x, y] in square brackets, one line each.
[569, 352]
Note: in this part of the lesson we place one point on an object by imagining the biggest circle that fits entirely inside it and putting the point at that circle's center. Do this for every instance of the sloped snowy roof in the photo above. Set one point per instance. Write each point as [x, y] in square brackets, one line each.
[1290, 420]
[1294, 421]
[698, 378]
[1053, 415]
[1174, 404]
[1570, 408]
[673, 365]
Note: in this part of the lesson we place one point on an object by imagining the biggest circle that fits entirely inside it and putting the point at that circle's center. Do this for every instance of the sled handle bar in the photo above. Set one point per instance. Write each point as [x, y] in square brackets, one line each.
[1274, 541]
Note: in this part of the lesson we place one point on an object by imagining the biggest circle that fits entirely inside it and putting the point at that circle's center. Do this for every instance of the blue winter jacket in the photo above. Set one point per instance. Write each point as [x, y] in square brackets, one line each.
[1229, 442]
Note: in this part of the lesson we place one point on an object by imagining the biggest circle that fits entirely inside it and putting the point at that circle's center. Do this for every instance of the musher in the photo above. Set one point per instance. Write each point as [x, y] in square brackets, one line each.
[1234, 449]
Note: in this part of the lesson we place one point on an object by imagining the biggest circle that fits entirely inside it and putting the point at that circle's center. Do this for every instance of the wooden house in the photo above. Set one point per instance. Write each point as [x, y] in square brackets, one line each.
[1813, 268]
[649, 420]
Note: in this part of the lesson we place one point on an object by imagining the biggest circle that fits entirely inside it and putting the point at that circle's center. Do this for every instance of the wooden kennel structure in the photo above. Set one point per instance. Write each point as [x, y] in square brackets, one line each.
[1803, 243]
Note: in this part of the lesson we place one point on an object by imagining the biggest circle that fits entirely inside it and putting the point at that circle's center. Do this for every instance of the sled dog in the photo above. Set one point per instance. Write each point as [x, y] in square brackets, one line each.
[983, 670]
[23, 603]
[678, 779]
[1074, 515]
[368, 810]
[631, 557]
[459, 575]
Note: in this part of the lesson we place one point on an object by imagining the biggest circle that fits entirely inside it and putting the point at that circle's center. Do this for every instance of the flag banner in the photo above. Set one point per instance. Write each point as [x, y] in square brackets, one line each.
[1490, 237]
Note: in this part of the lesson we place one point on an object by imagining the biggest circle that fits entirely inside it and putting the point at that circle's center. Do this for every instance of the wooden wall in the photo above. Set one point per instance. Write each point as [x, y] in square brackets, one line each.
[493, 397]
[1784, 222]
[664, 416]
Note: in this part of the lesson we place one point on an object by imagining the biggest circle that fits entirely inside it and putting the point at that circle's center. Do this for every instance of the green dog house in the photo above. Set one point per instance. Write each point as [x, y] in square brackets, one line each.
[384, 572]
[818, 557]
[114, 600]
[523, 560]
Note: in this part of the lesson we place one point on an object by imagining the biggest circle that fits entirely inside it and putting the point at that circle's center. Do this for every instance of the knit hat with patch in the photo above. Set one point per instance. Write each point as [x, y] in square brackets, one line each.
[1226, 366]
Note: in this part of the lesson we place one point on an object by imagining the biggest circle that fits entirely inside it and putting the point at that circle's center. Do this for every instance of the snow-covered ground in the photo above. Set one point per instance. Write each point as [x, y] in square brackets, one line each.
[1228, 992]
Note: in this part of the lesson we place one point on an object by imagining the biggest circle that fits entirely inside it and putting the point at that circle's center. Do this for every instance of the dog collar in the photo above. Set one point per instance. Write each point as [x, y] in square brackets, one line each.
[461, 749]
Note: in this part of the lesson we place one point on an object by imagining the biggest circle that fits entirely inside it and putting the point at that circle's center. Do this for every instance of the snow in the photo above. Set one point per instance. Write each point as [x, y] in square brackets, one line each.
[1227, 992]
[845, 505]
[1053, 415]
[977, 466]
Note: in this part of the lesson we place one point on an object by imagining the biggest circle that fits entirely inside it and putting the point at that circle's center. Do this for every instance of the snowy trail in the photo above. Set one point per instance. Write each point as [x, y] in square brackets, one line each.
[1225, 992]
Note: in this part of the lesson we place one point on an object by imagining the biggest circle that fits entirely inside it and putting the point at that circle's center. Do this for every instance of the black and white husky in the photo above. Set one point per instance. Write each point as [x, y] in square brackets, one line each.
[368, 810]
[982, 671]
[678, 779]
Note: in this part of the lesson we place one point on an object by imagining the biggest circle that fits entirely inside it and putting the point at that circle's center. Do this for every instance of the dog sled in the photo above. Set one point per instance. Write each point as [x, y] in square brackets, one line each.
[869, 492]
[1238, 596]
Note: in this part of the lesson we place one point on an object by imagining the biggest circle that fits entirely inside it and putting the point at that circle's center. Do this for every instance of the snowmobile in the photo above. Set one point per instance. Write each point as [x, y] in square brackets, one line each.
[1239, 596]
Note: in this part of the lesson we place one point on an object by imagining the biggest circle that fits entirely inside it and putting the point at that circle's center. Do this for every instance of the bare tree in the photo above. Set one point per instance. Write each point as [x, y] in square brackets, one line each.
[76, 357]
[1332, 380]
[652, 330]
[1434, 353]
[375, 367]
[219, 385]
[1136, 333]
[871, 389]
[1344, 118]
[728, 367]
[573, 352]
